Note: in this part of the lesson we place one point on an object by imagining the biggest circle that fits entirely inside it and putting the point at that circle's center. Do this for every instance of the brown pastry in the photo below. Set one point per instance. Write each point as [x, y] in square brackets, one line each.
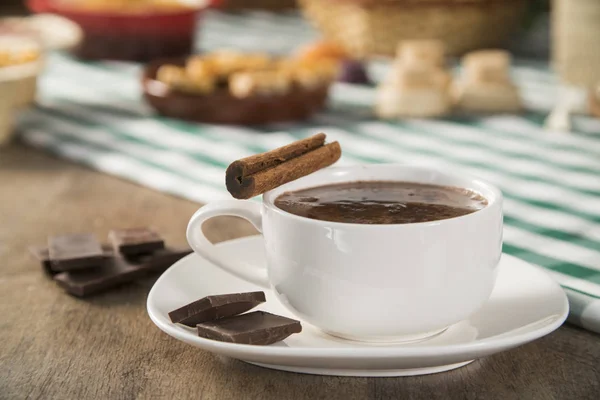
[198, 68]
[253, 83]
[227, 62]
[322, 50]
[312, 74]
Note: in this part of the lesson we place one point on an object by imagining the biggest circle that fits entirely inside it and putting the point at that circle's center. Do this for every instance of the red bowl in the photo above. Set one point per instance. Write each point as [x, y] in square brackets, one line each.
[142, 36]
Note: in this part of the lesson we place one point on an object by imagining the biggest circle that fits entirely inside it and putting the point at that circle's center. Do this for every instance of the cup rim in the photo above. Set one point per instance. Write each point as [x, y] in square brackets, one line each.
[490, 192]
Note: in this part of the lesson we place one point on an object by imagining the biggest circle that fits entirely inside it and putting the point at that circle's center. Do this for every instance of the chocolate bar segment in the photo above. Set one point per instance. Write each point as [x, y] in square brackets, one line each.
[258, 328]
[211, 308]
[116, 271]
[135, 241]
[112, 273]
[75, 251]
[42, 255]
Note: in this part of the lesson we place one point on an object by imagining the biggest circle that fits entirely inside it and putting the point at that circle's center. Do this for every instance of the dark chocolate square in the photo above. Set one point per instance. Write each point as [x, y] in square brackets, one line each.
[75, 251]
[112, 273]
[210, 308]
[258, 328]
[42, 255]
[135, 241]
[115, 271]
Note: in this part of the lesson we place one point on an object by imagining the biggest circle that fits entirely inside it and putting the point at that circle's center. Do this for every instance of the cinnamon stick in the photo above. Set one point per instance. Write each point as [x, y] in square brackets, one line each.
[260, 173]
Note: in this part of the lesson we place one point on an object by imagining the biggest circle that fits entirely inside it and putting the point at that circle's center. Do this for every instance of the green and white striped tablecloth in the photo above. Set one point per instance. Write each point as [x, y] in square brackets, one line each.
[93, 114]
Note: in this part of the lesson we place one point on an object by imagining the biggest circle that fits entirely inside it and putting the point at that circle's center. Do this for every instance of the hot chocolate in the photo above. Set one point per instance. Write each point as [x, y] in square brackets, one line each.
[381, 202]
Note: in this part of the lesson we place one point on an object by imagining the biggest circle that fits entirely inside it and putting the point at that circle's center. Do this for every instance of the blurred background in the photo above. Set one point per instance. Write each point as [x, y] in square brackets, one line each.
[167, 93]
[126, 113]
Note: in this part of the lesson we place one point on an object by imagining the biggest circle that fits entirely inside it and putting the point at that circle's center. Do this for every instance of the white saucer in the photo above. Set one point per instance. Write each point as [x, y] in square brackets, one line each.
[526, 304]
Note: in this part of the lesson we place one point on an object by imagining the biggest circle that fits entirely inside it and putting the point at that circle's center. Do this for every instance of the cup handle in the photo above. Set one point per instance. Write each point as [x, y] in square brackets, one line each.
[248, 210]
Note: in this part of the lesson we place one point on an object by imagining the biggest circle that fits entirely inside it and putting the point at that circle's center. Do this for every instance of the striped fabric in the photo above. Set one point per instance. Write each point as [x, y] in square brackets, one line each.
[92, 113]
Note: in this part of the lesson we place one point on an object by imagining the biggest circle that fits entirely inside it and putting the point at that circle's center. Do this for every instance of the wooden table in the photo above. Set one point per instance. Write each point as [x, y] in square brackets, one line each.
[54, 346]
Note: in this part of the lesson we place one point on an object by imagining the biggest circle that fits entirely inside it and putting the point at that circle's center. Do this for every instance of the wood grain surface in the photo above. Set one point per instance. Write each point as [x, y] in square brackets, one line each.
[54, 346]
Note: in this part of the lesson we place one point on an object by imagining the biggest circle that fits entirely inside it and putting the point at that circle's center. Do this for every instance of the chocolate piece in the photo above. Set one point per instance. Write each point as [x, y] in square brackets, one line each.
[258, 328]
[221, 107]
[116, 271]
[112, 273]
[135, 241]
[75, 251]
[42, 255]
[260, 173]
[211, 308]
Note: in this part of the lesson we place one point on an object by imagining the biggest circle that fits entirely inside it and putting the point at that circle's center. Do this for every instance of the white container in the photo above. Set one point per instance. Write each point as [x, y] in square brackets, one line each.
[369, 282]
[18, 83]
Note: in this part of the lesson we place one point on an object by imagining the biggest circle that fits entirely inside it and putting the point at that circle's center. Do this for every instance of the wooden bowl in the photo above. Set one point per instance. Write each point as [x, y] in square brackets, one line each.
[220, 107]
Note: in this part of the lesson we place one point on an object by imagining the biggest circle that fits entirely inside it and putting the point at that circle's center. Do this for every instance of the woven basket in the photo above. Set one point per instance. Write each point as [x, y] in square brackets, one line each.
[374, 27]
[576, 41]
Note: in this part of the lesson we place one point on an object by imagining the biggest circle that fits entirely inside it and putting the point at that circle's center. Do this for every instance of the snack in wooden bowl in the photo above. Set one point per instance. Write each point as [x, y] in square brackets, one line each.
[322, 50]
[228, 87]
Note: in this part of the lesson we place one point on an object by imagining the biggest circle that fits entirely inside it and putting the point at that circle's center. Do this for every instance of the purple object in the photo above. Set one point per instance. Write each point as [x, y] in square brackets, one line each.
[353, 71]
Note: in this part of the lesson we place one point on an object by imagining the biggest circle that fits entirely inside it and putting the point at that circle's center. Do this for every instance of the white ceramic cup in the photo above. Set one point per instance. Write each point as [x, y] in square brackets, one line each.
[369, 282]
